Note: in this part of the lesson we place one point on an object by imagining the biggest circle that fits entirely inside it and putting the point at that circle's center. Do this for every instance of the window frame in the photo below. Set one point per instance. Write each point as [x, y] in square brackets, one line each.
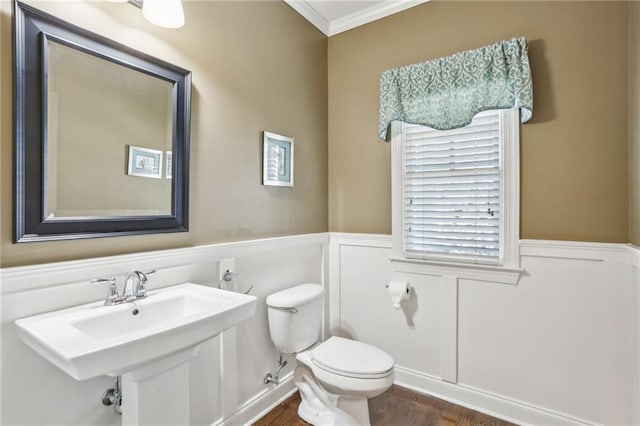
[510, 190]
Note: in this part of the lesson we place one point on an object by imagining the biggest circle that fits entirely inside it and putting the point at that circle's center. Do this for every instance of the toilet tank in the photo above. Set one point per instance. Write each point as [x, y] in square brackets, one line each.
[295, 317]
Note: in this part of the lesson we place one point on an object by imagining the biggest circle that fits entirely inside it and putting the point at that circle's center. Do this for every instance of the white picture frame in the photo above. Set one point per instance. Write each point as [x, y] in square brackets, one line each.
[168, 170]
[144, 162]
[277, 160]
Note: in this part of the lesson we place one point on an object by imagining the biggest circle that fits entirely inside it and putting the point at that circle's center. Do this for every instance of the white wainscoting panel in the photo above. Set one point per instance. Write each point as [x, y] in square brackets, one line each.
[634, 301]
[560, 347]
[449, 329]
[410, 334]
[226, 376]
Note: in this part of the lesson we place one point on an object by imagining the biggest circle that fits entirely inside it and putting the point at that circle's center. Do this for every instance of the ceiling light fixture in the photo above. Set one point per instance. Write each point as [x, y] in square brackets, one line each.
[163, 13]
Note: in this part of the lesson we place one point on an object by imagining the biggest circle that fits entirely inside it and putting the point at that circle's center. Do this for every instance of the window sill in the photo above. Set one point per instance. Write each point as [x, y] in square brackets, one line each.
[489, 273]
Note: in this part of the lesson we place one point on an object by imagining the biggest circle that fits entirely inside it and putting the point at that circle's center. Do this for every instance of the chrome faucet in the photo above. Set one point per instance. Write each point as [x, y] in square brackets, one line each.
[134, 288]
[135, 282]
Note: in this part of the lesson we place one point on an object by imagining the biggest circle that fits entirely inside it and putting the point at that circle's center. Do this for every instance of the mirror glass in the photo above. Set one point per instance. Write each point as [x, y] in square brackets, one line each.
[97, 110]
[100, 117]
[102, 135]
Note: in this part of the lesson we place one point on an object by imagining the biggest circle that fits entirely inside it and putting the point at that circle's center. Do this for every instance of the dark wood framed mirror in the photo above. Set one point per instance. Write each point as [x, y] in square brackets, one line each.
[101, 135]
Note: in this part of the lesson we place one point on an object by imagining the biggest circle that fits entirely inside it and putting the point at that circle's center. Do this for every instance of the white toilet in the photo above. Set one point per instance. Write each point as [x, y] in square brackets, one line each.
[335, 378]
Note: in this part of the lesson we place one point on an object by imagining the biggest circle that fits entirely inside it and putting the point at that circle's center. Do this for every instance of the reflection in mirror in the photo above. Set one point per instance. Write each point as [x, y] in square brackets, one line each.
[102, 135]
[96, 110]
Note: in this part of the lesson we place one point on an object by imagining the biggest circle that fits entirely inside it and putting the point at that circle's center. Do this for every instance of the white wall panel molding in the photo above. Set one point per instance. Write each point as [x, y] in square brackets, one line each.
[333, 285]
[256, 408]
[634, 340]
[573, 250]
[336, 241]
[366, 240]
[530, 353]
[526, 353]
[633, 253]
[449, 329]
[326, 274]
[226, 375]
[492, 274]
[577, 250]
[26, 278]
[495, 405]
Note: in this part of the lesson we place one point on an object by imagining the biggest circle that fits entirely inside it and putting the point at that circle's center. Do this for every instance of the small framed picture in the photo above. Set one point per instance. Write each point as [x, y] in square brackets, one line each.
[145, 162]
[277, 160]
[169, 169]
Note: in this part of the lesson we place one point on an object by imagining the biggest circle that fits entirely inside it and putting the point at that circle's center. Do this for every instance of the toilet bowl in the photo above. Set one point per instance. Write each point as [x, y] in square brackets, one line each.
[336, 377]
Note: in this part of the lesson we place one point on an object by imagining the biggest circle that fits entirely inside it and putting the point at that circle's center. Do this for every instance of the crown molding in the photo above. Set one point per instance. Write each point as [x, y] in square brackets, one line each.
[370, 14]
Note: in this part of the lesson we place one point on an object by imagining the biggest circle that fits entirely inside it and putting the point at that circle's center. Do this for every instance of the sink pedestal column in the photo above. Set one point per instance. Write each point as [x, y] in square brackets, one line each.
[158, 393]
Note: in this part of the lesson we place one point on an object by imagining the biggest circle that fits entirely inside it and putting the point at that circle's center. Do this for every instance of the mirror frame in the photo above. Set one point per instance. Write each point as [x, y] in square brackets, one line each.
[32, 27]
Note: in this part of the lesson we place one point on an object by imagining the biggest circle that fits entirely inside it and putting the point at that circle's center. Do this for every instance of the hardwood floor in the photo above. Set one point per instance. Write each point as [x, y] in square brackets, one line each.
[398, 407]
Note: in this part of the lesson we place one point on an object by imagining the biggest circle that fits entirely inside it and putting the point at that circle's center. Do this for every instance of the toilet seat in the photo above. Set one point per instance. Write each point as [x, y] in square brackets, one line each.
[350, 358]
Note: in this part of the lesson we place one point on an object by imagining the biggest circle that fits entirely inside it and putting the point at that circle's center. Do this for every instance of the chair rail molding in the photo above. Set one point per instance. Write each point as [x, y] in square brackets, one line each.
[31, 277]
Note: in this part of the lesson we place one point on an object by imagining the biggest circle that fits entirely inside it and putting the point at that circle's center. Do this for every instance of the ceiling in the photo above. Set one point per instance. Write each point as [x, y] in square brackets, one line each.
[335, 16]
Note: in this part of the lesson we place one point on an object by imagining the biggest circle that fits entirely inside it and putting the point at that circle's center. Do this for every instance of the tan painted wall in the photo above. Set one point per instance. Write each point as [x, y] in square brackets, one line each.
[256, 66]
[574, 150]
[634, 122]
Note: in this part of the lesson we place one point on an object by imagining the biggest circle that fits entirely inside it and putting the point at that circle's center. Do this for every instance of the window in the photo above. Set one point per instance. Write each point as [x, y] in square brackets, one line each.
[455, 192]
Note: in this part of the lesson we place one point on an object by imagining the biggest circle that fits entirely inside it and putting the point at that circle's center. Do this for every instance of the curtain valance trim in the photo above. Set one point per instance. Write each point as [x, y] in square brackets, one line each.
[446, 93]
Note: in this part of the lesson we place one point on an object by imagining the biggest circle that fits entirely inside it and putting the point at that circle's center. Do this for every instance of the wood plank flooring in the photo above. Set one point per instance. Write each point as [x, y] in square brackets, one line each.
[396, 407]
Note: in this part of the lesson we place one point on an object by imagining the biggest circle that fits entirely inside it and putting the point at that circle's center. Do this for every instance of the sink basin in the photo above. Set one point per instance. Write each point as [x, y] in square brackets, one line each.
[92, 340]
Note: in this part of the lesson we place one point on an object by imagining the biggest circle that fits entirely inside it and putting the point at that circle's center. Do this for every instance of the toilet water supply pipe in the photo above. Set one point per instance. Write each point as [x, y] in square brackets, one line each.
[269, 378]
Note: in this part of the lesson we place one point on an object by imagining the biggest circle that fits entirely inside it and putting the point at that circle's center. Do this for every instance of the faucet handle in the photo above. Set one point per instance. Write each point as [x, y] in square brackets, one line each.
[140, 291]
[143, 275]
[113, 296]
[104, 280]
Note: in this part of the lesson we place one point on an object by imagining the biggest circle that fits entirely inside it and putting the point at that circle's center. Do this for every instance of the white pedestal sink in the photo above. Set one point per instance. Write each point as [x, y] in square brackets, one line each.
[149, 342]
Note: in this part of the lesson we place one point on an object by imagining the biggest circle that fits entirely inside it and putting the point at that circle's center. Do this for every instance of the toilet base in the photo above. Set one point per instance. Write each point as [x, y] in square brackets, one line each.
[322, 408]
[333, 417]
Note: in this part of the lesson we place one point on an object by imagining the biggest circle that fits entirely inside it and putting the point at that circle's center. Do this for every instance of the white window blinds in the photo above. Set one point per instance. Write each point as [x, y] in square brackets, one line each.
[453, 191]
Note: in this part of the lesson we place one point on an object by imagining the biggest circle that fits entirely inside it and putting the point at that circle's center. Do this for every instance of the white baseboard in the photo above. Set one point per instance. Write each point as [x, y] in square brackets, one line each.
[256, 408]
[475, 399]
[494, 405]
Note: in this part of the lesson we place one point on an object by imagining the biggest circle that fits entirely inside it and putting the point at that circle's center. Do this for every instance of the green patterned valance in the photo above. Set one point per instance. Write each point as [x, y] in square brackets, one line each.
[446, 93]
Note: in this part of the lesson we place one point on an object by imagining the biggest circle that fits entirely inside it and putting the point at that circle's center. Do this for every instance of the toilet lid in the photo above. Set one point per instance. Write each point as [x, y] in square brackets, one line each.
[350, 358]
